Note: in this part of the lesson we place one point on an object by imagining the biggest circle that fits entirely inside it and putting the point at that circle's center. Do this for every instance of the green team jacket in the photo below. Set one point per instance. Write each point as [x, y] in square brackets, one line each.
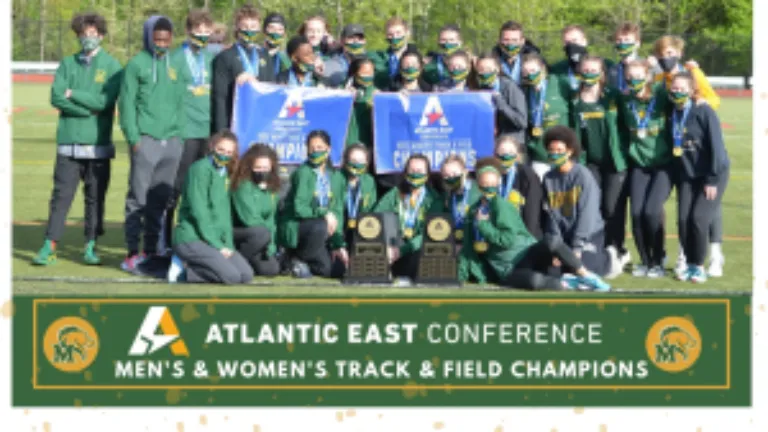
[473, 197]
[300, 203]
[253, 206]
[597, 127]
[656, 148]
[367, 201]
[380, 60]
[151, 98]
[561, 71]
[556, 112]
[197, 99]
[431, 72]
[392, 202]
[86, 117]
[361, 121]
[205, 210]
[508, 241]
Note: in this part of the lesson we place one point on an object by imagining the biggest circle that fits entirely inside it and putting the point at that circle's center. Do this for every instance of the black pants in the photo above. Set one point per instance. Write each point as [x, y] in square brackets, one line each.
[716, 228]
[695, 216]
[194, 150]
[407, 266]
[614, 204]
[649, 190]
[252, 243]
[67, 174]
[531, 271]
[313, 250]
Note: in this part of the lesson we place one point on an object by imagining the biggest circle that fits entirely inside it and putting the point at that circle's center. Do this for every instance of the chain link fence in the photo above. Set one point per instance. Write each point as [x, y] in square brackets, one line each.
[50, 40]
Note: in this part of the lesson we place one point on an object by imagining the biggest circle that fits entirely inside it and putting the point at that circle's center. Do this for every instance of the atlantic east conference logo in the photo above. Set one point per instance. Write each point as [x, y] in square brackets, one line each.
[673, 344]
[71, 344]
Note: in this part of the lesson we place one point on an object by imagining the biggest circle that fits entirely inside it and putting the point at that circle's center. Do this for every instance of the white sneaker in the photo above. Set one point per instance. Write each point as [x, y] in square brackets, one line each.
[616, 267]
[176, 270]
[681, 266]
[716, 264]
[656, 272]
[625, 259]
[640, 271]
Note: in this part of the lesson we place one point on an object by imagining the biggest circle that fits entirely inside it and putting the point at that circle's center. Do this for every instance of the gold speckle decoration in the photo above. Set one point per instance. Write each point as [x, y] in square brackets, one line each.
[83, 311]
[46, 427]
[26, 412]
[410, 390]
[351, 413]
[173, 396]
[764, 95]
[714, 345]
[435, 304]
[747, 310]
[423, 391]
[189, 313]
[453, 316]
[570, 396]
[354, 302]
[8, 309]
[119, 395]
[601, 305]
[320, 399]
[603, 428]
[668, 397]
[78, 403]
[180, 427]
[690, 373]
[436, 361]
[698, 429]
[578, 410]
[625, 309]
[214, 379]
[88, 375]
[622, 330]
[368, 357]
[498, 429]
[103, 318]
[203, 420]
[525, 397]
[226, 418]
[274, 396]
[210, 400]
[762, 308]
[553, 430]
[256, 428]
[339, 416]
[289, 347]
[211, 309]
[438, 425]
[96, 306]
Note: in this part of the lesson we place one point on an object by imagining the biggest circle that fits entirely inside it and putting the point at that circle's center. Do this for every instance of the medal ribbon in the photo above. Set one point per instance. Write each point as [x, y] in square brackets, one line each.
[459, 211]
[537, 109]
[294, 81]
[508, 180]
[483, 209]
[353, 204]
[323, 188]
[678, 125]
[394, 65]
[197, 68]
[251, 65]
[514, 71]
[573, 80]
[411, 212]
[643, 123]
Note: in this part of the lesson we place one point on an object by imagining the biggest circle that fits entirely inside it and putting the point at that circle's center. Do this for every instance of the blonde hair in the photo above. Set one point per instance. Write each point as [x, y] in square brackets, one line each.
[667, 41]
[501, 139]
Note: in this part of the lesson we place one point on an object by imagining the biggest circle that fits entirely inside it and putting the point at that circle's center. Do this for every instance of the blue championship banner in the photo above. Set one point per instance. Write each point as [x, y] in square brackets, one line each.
[436, 125]
[283, 117]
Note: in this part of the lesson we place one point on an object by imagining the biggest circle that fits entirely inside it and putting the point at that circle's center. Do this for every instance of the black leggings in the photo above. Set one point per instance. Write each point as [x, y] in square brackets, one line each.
[312, 249]
[614, 186]
[649, 190]
[407, 266]
[252, 243]
[696, 215]
[531, 272]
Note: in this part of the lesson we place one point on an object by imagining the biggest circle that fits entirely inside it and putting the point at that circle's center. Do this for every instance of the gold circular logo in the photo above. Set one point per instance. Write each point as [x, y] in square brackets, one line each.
[369, 227]
[439, 229]
[71, 344]
[673, 344]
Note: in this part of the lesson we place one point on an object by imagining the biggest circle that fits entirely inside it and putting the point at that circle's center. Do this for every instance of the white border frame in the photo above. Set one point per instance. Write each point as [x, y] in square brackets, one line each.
[388, 419]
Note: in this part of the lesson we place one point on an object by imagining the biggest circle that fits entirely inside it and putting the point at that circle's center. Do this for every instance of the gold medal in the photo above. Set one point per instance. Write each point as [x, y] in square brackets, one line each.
[481, 246]
[352, 223]
[459, 234]
[678, 151]
[408, 233]
[642, 133]
[537, 132]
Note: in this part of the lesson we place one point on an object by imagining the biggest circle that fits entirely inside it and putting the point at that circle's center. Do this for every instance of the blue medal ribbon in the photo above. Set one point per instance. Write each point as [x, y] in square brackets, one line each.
[537, 107]
[483, 209]
[394, 65]
[572, 79]
[459, 211]
[250, 65]
[678, 126]
[440, 68]
[512, 72]
[508, 182]
[411, 213]
[642, 124]
[293, 81]
[622, 83]
[323, 185]
[278, 63]
[354, 194]
[197, 68]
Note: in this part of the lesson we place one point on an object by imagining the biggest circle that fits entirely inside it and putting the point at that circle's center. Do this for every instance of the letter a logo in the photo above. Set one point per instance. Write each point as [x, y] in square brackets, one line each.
[149, 341]
[433, 113]
[293, 107]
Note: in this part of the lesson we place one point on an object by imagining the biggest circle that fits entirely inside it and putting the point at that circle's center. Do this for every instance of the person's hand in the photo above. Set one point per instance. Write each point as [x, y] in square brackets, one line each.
[556, 262]
[226, 252]
[68, 93]
[394, 254]
[245, 77]
[319, 65]
[691, 64]
[710, 192]
[333, 223]
[577, 254]
[135, 147]
[652, 62]
[404, 92]
[342, 255]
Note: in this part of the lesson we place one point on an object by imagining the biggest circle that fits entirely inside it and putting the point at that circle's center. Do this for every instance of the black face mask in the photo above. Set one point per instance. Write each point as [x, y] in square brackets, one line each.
[259, 177]
[575, 53]
[668, 63]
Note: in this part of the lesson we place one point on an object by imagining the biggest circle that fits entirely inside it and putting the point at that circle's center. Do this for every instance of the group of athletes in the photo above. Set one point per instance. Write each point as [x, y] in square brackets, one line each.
[575, 140]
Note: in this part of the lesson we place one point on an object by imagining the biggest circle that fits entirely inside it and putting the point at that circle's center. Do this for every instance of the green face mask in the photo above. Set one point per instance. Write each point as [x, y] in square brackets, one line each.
[487, 80]
[533, 79]
[355, 48]
[679, 98]
[306, 67]
[355, 169]
[396, 43]
[410, 74]
[489, 191]
[507, 159]
[557, 159]
[199, 40]
[625, 49]
[364, 80]
[459, 75]
[511, 49]
[249, 36]
[636, 85]
[590, 79]
[160, 50]
[275, 39]
[221, 160]
[449, 48]
[454, 183]
[89, 43]
[416, 180]
[318, 158]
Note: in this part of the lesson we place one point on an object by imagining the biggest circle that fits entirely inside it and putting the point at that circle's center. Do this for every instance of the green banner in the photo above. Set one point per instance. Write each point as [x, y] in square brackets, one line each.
[554, 351]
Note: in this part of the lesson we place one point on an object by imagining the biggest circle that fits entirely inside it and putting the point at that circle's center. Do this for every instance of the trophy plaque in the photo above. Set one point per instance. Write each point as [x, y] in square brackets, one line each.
[438, 264]
[368, 254]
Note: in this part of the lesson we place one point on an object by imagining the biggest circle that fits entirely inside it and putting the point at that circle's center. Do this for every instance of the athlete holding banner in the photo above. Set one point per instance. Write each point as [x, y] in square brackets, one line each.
[459, 65]
[508, 99]
[274, 39]
[511, 49]
[301, 72]
[388, 62]
[242, 62]
[436, 70]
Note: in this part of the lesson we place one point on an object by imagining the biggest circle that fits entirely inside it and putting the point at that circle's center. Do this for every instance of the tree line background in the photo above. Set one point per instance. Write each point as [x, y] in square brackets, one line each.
[718, 32]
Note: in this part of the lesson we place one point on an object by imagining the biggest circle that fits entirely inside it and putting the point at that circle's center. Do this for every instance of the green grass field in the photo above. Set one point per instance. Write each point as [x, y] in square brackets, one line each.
[34, 150]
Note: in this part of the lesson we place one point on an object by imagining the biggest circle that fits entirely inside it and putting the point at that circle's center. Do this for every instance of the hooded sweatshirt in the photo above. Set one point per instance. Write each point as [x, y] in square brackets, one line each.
[151, 99]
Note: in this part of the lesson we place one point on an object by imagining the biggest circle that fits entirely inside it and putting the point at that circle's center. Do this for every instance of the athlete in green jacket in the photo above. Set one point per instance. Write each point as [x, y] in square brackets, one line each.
[84, 91]
[459, 192]
[361, 122]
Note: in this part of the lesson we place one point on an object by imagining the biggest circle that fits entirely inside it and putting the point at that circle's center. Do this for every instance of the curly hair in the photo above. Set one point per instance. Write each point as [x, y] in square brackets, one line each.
[83, 21]
[244, 167]
[565, 135]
